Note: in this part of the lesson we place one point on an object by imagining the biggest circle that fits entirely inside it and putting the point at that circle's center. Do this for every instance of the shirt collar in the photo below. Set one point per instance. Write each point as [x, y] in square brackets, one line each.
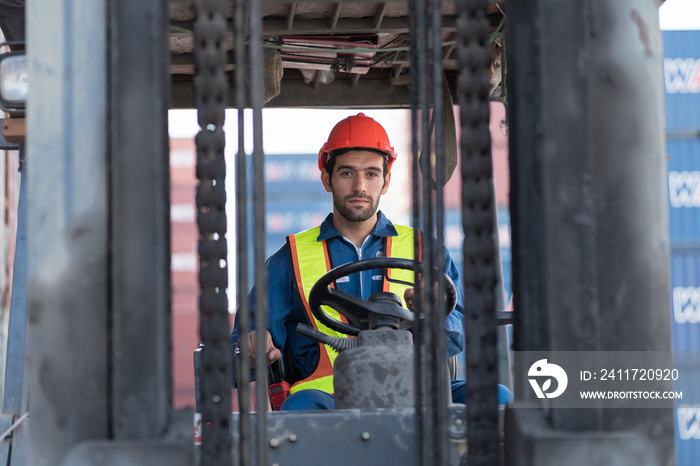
[383, 228]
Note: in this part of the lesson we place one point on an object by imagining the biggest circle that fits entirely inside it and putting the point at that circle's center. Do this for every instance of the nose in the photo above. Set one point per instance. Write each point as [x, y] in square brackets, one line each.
[359, 184]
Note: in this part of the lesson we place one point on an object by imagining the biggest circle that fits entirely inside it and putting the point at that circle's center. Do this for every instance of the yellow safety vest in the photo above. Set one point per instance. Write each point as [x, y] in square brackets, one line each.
[311, 261]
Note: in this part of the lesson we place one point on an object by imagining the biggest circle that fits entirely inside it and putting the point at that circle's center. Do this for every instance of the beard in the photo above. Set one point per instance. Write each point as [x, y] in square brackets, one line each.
[355, 214]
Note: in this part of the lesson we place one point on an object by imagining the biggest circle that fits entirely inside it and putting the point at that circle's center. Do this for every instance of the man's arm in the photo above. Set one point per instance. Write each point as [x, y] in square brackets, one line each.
[280, 299]
[454, 324]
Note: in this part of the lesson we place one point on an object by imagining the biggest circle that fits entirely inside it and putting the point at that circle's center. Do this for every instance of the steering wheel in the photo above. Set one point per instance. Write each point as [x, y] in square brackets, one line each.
[358, 311]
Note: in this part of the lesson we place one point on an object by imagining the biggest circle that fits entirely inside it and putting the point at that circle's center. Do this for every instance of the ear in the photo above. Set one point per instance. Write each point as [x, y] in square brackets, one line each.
[387, 180]
[326, 180]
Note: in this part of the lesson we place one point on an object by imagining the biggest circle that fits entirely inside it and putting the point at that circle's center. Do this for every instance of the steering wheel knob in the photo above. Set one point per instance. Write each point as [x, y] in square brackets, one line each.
[385, 296]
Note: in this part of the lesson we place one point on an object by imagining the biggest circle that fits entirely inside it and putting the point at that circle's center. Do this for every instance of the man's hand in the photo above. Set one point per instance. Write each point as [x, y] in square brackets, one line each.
[410, 294]
[408, 297]
[272, 353]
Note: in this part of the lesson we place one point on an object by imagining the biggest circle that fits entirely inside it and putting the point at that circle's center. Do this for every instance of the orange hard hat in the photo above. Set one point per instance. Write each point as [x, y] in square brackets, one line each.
[357, 132]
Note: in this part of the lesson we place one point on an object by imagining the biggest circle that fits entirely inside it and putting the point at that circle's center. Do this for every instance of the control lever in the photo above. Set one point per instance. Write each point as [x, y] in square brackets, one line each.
[278, 387]
[337, 343]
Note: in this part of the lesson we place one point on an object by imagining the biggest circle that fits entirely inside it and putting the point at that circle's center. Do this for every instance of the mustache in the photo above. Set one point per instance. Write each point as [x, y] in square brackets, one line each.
[358, 196]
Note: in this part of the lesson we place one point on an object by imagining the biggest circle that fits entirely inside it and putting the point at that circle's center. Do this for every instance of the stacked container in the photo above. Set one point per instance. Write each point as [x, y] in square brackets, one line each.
[682, 82]
[295, 200]
[453, 200]
[184, 262]
[453, 212]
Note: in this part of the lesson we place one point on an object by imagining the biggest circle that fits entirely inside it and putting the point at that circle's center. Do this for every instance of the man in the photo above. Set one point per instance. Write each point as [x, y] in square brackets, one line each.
[355, 166]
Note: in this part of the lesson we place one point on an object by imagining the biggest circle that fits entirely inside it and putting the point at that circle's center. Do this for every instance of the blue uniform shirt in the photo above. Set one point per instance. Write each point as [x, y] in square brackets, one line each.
[286, 310]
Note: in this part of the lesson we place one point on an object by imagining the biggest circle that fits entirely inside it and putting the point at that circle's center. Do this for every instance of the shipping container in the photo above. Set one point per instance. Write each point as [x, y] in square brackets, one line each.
[294, 175]
[295, 198]
[453, 242]
[684, 192]
[687, 415]
[685, 300]
[292, 214]
[499, 153]
[183, 269]
[682, 80]
[682, 84]
[454, 238]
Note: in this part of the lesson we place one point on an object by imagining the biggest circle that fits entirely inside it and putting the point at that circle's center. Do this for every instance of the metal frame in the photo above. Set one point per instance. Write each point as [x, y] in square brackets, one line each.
[575, 207]
[14, 422]
[390, 19]
[589, 215]
[16, 389]
[67, 222]
[141, 391]
[369, 437]
[248, 27]
[98, 229]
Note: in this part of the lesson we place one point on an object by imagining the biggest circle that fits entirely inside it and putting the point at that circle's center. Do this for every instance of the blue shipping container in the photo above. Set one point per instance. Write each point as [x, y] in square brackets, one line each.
[682, 80]
[292, 175]
[454, 238]
[453, 242]
[687, 416]
[295, 199]
[685, 299]
[293, 214]
[682, 86]
[684, 192]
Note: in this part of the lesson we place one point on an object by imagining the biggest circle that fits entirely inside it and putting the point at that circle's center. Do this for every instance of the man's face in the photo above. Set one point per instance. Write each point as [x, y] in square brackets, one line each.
[357, 184]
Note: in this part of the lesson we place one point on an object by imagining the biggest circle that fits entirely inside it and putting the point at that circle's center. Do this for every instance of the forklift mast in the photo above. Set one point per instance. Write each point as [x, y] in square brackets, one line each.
[590, 246]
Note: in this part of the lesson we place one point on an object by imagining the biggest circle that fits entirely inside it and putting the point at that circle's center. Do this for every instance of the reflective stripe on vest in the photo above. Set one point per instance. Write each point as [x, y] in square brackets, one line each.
[311, 261]
[401, 246]
[306, 251]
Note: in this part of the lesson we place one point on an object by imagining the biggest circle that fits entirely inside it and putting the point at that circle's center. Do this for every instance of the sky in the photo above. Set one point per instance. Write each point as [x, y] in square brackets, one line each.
[680, 14]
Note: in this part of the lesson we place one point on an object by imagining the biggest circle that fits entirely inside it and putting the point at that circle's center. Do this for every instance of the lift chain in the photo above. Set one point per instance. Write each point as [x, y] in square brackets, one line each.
[478, 222]
[210, 89]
